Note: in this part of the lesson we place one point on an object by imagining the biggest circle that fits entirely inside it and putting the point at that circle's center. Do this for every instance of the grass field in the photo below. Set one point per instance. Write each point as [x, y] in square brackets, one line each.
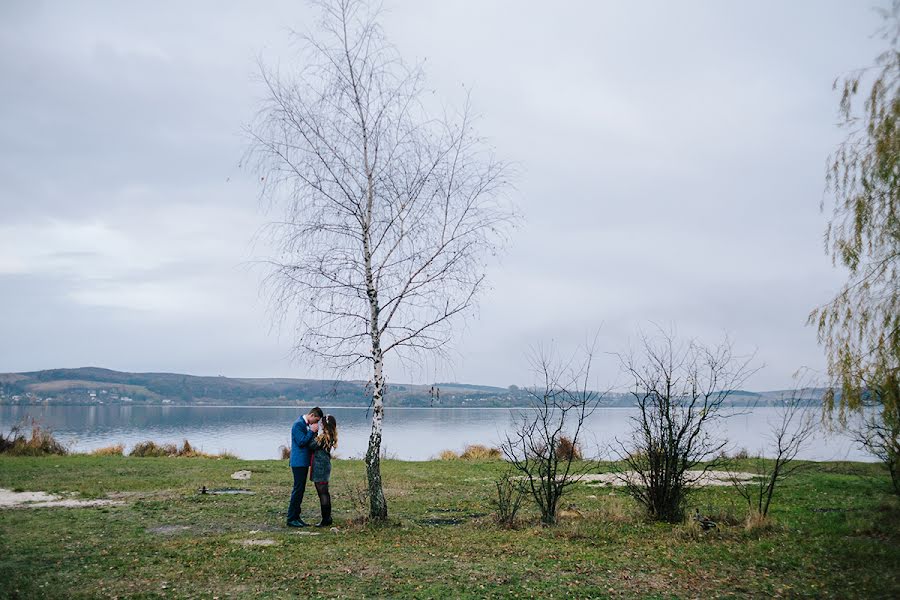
[836, 534]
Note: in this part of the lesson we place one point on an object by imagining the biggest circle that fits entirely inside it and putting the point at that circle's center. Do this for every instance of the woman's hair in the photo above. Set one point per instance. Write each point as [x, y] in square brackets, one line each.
[329, 437]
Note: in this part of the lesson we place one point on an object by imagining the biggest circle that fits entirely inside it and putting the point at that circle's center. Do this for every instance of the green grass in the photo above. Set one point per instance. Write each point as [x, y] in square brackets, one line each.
[836, 534]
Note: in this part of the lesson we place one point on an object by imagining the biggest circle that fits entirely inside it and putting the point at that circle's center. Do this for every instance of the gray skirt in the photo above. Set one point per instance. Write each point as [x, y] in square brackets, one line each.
[321, 466]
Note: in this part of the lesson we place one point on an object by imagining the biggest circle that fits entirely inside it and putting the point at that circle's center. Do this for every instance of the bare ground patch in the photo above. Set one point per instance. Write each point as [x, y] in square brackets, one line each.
[265, 542]
[694, 478]
[11, 499]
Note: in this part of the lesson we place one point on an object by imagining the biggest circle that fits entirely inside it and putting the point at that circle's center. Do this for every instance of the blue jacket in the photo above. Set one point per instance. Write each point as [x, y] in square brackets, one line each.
[301, 436]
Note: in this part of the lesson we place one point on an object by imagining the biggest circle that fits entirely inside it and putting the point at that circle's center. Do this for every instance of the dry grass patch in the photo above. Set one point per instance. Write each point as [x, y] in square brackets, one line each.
[114, 450]
[479, 452]
[618, 509]
[41, 442]
[758, 523]
[152, 449]
[567, 450]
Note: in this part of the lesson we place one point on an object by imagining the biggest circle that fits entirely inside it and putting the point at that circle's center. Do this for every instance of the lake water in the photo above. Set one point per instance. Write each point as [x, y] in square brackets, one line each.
[410, 433]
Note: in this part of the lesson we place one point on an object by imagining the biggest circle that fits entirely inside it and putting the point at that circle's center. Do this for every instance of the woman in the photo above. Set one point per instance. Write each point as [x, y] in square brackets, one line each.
[320, 473]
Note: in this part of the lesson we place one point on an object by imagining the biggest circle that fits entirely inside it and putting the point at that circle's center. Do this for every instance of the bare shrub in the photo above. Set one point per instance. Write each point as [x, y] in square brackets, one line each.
[879, 433]
[741, 454]
[679, 389]
[480, 452]
[508, 501]
[285, 452]
[562, 402]
[448, 455]
[788, 435]
[41, 442]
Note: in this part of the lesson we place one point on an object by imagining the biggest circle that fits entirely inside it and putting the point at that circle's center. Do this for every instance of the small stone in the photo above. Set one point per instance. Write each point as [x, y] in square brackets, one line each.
[241, 475]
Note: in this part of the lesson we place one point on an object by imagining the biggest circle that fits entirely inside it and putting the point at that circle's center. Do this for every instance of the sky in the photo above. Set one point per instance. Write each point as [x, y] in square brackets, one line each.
[670, 163]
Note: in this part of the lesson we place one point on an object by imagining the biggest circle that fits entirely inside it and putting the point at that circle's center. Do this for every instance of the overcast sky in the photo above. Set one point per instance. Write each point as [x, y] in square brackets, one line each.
[671, 159]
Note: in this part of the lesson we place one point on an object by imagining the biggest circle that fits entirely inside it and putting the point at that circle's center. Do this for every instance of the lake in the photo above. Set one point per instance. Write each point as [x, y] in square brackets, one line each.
[410, 433]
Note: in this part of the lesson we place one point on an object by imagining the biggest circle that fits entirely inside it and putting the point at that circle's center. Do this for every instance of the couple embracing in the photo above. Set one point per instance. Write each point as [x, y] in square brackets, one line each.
[313, 437]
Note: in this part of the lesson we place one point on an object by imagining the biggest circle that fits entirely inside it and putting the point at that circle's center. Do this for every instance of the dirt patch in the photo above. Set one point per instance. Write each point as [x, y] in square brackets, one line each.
[694, 478]
[448, 516]
[11, 499]
[256, 542]
[169, 529]
[203, 491]
[441, 521]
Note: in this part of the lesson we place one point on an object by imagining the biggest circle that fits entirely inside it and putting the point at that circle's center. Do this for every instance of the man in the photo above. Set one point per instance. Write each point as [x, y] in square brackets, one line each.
[302, 433]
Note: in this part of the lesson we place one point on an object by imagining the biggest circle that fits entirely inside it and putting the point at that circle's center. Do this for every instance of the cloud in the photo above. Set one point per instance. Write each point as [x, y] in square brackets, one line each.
[671, 165]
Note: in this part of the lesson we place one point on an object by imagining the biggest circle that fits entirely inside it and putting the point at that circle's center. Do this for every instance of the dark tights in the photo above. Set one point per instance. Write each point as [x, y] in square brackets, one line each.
[324, 500]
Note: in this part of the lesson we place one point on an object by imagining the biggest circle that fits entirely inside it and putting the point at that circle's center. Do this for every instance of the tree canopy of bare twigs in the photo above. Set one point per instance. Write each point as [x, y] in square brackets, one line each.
[389, 214]
[680, 389]
[860, 326]
[788, 435]
[879, 433]
[542, 446]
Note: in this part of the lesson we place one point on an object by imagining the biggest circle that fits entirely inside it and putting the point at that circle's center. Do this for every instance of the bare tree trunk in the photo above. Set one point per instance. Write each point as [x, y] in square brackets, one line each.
[377, 502]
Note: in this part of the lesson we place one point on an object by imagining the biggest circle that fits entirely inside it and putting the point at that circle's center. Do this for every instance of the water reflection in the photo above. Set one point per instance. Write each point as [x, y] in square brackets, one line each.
[410, 434]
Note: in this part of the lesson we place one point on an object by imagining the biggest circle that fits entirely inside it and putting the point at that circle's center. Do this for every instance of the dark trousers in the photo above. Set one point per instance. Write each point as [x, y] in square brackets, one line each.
[300, 475]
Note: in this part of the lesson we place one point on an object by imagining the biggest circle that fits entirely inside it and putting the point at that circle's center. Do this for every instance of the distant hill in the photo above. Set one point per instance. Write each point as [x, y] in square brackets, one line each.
[93, 385]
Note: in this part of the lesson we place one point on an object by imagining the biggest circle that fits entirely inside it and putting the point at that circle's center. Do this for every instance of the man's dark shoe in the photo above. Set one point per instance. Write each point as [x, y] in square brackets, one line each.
[327, 523]
[297, 523]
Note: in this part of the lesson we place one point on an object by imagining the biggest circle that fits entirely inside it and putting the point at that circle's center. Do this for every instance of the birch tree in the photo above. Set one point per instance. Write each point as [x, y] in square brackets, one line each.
[388, 214]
